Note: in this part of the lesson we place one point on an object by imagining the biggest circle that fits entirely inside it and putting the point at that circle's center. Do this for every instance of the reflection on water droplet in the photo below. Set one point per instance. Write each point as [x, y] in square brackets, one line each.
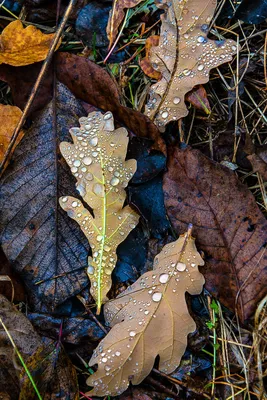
[87, 160]
[106, 248]
[165, 114]
[181, 266]
[93, 141]
[201, 39]
[156, 296]
[234, 48]
[117, 353]
[107, 368]
[176, 100]
[90, 270]
[114, 181]
[186, 72]
[193, 265]
[104, 359]
[146, 312]
[74, 204]
[108, 115]
[200, 67]
[74, 169]
[132, 333]
[99, 238]
[164, 278]
[64, 199]
[89, 176]
[99, 190]
[81, 189]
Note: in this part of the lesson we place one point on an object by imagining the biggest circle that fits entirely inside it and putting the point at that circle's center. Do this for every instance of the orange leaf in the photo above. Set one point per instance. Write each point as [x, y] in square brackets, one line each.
[9, 118]
[22, 46]
[145, 63]
[198, 98]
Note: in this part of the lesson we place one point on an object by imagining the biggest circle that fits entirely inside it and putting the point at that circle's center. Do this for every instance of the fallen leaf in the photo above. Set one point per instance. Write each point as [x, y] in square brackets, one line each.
[45, 247]
[149, 319]
[199, 99]
[145, 62]
[23, 46]
[184, 57]
[228, 226]
[97, 160]
[92, 84]
[116, 16]
[9, 118]
[258, 161]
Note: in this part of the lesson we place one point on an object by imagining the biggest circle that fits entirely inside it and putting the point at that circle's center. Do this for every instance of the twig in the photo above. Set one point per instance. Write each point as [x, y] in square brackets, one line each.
[41, 75]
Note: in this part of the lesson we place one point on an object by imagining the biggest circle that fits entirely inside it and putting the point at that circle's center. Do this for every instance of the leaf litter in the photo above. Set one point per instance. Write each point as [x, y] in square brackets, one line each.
[189, 180]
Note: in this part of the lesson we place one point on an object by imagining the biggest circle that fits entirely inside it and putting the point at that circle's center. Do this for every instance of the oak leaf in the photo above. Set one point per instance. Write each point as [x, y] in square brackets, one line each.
[9, 118]
[149, 319]
[97, 160]
[228, 226]
[22, 46]
[184, 57]
[116, 16]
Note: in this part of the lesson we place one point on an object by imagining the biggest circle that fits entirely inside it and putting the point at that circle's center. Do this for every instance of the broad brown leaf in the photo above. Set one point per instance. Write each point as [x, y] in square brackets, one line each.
[228, 226]
[45, 247]
[116, 16]
[97, 160]
[9, 118]
[145, 62]
[149, 319]
[22, 46]
[184, 57]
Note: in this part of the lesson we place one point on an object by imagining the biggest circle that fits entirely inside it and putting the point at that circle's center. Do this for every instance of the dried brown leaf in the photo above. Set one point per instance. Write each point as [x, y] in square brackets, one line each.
[184, 56]
[97, 160]
[150, 318]
[9, 118]
[23, 46]
[258, 161]
[116, 16]
[198, 98]
[228, 226]
[145, 62]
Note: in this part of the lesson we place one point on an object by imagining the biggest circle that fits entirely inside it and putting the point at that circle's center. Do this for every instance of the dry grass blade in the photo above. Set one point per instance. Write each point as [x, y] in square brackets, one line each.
[184, 57]
[97, 160]
[150, 318]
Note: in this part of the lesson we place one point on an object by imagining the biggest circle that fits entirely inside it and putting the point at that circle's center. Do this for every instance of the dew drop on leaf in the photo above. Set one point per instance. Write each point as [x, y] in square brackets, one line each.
[156, 296]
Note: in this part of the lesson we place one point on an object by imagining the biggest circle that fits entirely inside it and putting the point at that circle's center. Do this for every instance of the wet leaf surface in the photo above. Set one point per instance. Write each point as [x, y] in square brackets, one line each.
[152, 310]
[46, 247]
[228, 226]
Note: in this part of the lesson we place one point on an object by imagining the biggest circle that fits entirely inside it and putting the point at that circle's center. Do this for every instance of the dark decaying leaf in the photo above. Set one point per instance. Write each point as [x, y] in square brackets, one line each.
[228, 226]
[10, 281]
[92, 84]
[258, 161]
[47, 248]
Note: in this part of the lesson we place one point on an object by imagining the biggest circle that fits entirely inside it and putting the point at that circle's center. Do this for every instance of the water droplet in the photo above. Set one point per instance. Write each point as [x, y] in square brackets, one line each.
[87, 160]
[89, 176]
[186, 72]
[99, 238]
[114, 181]
[117, 353]
[165, 114]
[81, 189]
[181, 266]
[110, 169]
[77, 163]
[234, 48]
[201, 39]
[64, 199]
[104, 359]
[93, 141]
[108, 115]
[200, 67]
[90, 270]
[164, 278]
[156, 296]
[74, 204]
[107, 368]
[99, 190]
[132, 333]
[106, 248]
[88, 127]
[193, 265]
[74, 169]
[146, 312]
[176, 100]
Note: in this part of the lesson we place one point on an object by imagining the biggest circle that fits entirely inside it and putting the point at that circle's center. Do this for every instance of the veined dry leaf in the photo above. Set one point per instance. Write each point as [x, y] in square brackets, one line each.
[184, 56]
[145, 62]
[116, 16]
[97, 160]
[150, 318]
[23, 46]
[9, 118]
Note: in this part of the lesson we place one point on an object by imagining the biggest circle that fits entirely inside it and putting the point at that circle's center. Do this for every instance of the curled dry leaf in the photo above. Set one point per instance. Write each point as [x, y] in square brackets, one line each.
[228, 226]
[149, 319]
[116, 16]
[97, 160]
[184, 57]
[145, 62]
[22, 46]
[9, 118]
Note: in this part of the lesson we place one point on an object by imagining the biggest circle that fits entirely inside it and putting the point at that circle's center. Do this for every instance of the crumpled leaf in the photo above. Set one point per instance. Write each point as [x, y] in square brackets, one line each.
[116, 16]
[150, 318]
[97, 160]
[9, 118]
[45, 247]
[22, 46]
[184, 57]
[228, 226]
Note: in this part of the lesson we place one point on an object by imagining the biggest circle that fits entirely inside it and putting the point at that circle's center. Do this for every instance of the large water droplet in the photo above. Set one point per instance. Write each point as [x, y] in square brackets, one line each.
[77, 163]
[93, 141]
[181, 266]
[104, 359]
[107, 116]
[81, 190]
[87, 160]
[114, 181]
[99, 190]
[64, 199]
[132, 333]
[99, 238]
[164, 278]
[90, 270]
[176, 100]
[201, 39]
[117, 353]
[74, 204]
[89, 176]
[165, 114]
[107, 248]
[200, 67]
[156, 296]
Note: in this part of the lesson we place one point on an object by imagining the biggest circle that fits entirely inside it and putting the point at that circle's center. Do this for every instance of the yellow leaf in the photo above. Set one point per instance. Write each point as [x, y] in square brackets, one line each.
[9, 118]
[22, 46]
[97, 160]
[184, 57]
[149, 319]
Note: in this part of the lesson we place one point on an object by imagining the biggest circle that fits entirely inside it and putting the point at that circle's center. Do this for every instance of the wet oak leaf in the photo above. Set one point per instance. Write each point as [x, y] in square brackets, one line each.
[9, 118]
[22, 46]
[116, 16]
[228, 226]
[184, 57]
[149, 319]
[97, 160]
